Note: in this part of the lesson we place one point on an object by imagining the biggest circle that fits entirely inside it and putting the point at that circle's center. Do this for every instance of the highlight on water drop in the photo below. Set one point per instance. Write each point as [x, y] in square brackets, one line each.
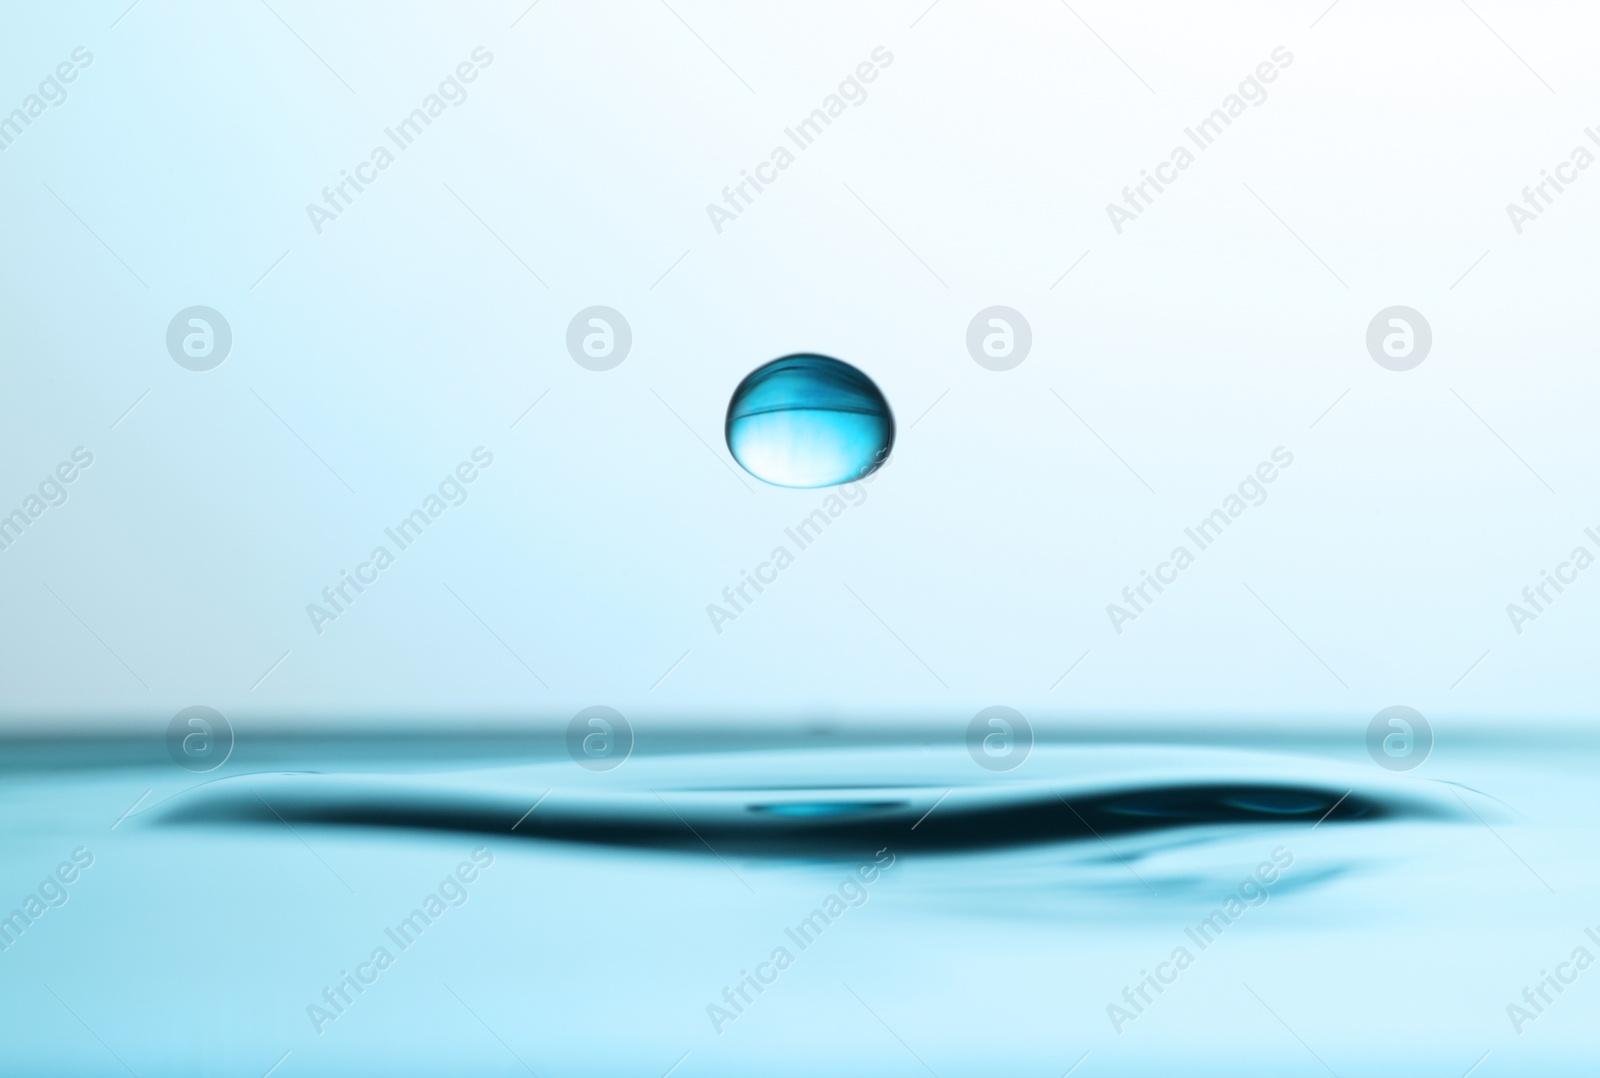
[809, 421]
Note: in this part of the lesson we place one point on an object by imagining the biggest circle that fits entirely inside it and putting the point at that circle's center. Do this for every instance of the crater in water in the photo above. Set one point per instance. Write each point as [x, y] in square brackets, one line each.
[809, 421]
[783, 822]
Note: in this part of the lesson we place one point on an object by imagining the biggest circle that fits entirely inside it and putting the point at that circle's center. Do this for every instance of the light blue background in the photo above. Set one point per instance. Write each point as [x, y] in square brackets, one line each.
[407, 334]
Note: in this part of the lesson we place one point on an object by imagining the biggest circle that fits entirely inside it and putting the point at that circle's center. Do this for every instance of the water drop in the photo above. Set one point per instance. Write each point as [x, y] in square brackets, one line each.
[809, 421]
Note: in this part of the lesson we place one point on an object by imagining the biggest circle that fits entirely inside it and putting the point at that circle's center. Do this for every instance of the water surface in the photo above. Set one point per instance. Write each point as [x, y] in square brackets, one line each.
[784, 904]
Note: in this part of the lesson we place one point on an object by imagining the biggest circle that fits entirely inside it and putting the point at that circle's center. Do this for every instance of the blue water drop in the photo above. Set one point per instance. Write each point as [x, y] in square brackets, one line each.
[809, 421]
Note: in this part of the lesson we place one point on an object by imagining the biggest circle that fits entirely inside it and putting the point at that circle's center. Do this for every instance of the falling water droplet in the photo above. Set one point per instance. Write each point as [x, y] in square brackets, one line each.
[809, 421]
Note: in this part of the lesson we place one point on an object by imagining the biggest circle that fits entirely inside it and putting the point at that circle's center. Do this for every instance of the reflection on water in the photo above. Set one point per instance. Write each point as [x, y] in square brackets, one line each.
[782, 905]
[757, 822]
